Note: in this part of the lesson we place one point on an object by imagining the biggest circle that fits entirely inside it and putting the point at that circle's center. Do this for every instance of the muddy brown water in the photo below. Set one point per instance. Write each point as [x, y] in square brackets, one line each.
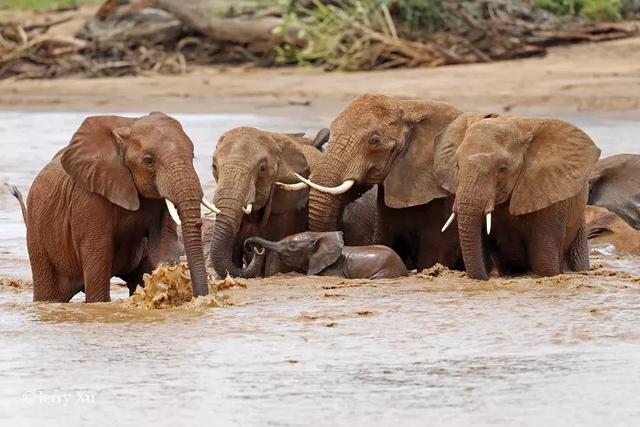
[436, 348]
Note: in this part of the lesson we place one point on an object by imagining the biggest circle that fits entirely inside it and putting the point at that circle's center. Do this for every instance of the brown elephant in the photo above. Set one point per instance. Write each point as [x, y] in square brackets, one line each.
[258, 194]
[604, 226]
[324, 254]
[98, 209]
[528, 177]
[615, 185]
[378, 140]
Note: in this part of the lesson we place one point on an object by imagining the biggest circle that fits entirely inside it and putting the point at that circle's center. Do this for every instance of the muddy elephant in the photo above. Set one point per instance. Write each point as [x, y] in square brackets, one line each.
[259, 195]
[324, 254]
[523, 182]
[378, 140]
[604, 226]
[615, 185]
[104, 205]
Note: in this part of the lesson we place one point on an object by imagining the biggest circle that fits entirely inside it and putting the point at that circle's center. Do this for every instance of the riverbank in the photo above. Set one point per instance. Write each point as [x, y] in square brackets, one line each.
[599, 78]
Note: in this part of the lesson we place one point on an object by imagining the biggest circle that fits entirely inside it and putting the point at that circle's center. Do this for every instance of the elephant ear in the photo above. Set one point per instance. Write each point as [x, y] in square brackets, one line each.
[411, 180]
[446, 145]
[95, 159]
[293, 159]
[327, 250]
[557, 164]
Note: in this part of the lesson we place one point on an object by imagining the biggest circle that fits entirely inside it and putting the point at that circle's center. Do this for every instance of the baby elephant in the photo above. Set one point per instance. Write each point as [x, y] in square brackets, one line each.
[325, 254]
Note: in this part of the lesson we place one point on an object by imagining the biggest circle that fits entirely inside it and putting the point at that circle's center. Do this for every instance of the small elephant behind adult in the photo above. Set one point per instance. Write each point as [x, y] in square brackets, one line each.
[324, 254]
[615, 185]
[604, 226]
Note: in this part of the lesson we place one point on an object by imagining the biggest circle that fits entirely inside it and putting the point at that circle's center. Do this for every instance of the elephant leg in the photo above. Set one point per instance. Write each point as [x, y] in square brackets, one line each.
[96, 258]
[578, 255]
[545, 249]
[47, 285]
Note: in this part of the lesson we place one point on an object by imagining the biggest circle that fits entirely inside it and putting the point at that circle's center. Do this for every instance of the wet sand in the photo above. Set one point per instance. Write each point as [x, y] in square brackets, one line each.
[293, 350]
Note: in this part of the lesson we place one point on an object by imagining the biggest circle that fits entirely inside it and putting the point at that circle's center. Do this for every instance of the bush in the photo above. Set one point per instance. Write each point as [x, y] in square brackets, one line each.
[594, 10]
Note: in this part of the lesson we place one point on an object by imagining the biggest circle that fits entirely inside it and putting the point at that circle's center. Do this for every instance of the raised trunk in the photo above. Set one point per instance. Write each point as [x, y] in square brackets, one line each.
[264, 243]
[230, 203]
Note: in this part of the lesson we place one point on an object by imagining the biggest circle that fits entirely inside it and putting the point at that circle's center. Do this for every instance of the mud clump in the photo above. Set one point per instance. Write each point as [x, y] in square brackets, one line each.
[169, 286]
[439, 270]
[15, 283]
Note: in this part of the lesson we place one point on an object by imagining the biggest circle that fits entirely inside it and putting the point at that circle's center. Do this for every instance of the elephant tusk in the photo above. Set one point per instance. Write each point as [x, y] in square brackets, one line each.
[247, 210]
[173, 212]
[342, 188]
[258, 252]
[209, 205]
[449, 221]
[488, 223]
[292, 187]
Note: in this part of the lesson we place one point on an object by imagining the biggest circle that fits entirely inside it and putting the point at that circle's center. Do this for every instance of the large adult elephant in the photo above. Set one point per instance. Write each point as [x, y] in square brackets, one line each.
[378, 140]
[528, 178]
[259, 195]
[98, 209]
[615, 185]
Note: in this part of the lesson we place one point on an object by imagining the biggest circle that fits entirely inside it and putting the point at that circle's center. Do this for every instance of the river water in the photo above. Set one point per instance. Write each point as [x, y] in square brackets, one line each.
[437, 349]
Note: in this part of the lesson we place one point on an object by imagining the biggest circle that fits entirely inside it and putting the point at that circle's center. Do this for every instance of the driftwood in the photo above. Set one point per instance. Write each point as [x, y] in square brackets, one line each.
[164, 36]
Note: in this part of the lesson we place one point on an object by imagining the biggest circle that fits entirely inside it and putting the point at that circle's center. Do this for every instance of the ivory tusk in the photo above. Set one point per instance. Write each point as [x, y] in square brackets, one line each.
[292, 187]
[247, 210]
[489, 223]
[449, 221]
[258, 252]
[209, 205]
[173, 212]
[342, 188]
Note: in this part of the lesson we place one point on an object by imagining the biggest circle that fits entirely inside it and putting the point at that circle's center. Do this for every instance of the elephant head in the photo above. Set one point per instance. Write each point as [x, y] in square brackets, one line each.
[378, 140]
[487, 160]
[125, 159]
[309, 252]
[615, 184]
[252, 169]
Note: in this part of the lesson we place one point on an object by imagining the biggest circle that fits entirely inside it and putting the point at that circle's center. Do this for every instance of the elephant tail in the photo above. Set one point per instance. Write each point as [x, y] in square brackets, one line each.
[18, 195]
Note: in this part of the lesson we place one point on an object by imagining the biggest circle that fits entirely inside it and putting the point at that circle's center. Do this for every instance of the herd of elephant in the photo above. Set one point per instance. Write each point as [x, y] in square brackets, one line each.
[393, 186]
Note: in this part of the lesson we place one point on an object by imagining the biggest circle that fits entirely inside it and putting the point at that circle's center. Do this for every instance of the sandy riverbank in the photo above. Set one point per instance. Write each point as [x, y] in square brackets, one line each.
[594, 78]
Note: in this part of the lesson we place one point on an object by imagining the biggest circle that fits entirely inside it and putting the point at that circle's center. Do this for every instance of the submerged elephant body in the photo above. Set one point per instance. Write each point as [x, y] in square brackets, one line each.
[520, 190]
[378, 140]
[97, 209]
[604, 226]
[324, 254]
[615, 185]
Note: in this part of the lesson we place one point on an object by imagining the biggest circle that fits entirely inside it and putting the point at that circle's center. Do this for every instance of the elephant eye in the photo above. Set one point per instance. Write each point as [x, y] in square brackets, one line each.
[503, 169]
[147, 160]
[375, 140]
[263, 166]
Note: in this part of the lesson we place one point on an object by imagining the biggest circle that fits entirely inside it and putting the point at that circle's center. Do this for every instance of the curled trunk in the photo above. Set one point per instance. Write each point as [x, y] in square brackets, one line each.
[225, 235]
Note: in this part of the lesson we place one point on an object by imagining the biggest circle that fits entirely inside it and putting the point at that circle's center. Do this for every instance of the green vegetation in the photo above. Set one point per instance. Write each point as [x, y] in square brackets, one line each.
[594, 10]
[42, 5]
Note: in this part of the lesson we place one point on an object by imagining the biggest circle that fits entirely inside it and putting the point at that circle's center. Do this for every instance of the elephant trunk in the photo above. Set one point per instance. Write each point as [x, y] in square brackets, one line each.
[230, 201]
[470, 233]
[471, 206]
[264, 243]
[183, 189]
[324, 208]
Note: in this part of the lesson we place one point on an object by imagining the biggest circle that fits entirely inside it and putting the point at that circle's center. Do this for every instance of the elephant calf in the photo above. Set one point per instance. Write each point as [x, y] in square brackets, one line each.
[324, 254]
